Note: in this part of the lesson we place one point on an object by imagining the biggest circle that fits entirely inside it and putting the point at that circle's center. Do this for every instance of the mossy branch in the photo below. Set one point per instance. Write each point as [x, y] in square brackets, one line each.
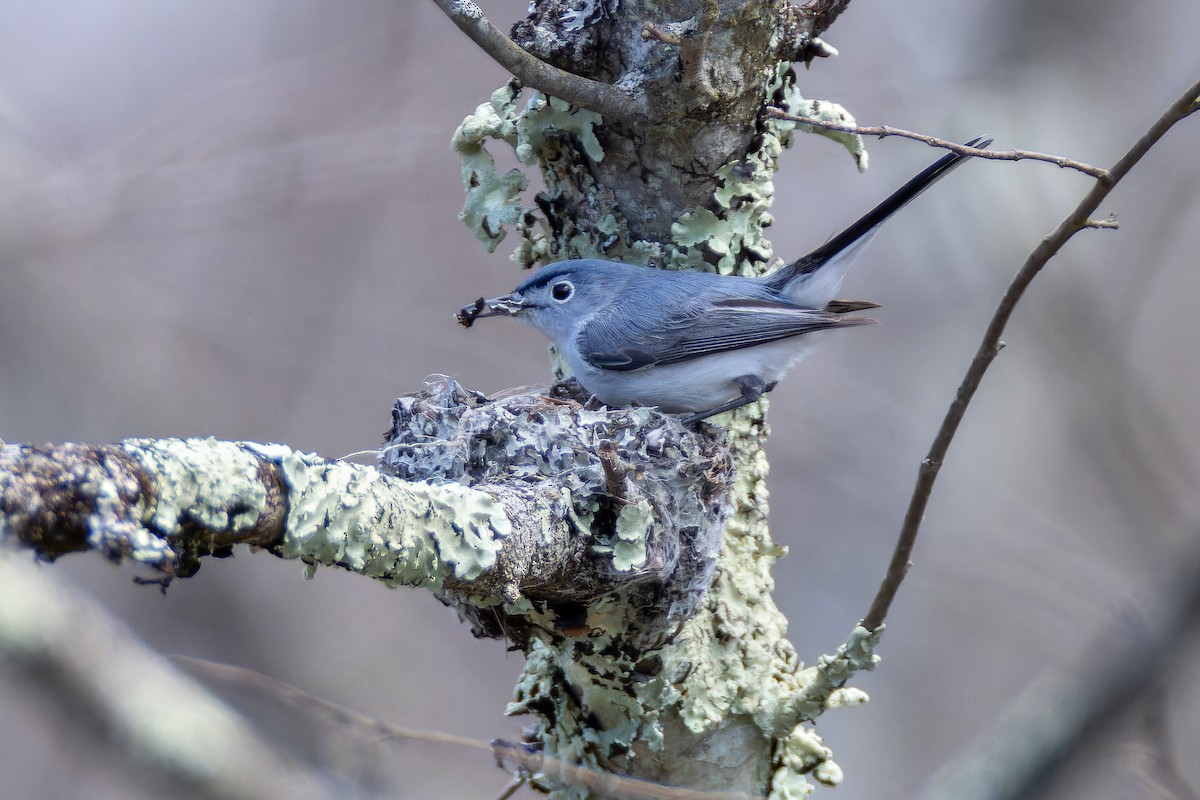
[492, 537]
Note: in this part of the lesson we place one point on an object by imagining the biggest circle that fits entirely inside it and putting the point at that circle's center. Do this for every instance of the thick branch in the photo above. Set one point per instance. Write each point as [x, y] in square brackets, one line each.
[991, 345]
[477, 509]
[606, 99]
[627, 101]
[163, 504]
[679, 88]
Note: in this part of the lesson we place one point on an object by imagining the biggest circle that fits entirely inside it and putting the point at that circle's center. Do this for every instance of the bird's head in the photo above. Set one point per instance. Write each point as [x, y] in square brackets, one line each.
[556, 300]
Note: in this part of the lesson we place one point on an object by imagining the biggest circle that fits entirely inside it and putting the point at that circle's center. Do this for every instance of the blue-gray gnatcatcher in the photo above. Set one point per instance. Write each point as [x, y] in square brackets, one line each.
[695, 341]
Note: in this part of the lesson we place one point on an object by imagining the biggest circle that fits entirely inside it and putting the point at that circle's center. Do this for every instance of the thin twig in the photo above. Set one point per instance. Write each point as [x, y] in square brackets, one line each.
[599, 784]
[603, 98]
[509, 755]
[992, 344]
[517, 781]
[883, 131]
[234, 675]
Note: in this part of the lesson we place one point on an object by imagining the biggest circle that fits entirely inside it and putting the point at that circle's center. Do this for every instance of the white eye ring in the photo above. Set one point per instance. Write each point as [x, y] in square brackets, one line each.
[562, 291]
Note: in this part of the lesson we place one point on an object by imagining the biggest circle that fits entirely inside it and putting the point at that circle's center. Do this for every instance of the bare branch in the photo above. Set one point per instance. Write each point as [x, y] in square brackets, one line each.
[514, 784]
[600, 785]
[991, 345]
[884, 131]
[513, 756]
[605, 99]
[311, 704]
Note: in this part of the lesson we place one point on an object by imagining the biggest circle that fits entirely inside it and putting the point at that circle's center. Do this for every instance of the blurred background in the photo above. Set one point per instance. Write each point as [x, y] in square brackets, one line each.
[239, 220]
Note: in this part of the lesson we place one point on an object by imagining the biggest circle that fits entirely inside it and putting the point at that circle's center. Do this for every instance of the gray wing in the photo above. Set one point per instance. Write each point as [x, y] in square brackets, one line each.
[623, 343]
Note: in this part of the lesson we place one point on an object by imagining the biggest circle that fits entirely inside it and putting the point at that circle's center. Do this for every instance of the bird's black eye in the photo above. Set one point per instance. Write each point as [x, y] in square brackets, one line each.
[562, 291]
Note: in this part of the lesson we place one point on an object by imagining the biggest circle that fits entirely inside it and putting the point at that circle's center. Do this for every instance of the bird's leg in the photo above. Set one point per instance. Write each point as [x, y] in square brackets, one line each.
[752, 388]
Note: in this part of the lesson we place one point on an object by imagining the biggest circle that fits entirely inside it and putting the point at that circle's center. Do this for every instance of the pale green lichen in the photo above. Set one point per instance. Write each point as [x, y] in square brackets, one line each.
[848, 697]
[204, 481]
[547, 117]
[401, 532]
[620, 720]
[858, 653]
[493, 200]
[823, 110]
[802, 753]
[634, 525]
[608, 224]
[199, 481]
[734, 651]
[731, 232]
[834, 113]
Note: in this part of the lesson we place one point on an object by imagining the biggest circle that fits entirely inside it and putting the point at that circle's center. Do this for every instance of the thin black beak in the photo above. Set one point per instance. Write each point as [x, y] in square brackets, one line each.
[508, 305]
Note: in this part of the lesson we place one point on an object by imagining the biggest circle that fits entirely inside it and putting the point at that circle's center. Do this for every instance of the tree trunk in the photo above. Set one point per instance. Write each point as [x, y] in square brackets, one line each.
[675, 173]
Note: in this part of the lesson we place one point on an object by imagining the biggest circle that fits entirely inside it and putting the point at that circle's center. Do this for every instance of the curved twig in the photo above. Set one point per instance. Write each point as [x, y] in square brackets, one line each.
[518, 758]
[884, 131]
[604, 98]
[991, 345]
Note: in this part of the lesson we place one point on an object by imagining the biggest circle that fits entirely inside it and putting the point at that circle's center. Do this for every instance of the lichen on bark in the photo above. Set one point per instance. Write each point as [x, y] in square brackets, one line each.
[725, 703]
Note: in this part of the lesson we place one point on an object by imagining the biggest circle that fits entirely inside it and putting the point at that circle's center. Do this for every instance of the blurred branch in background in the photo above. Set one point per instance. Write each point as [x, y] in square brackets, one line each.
[1157, 764]
[1071, 708]
[518, 758]
[108, 681]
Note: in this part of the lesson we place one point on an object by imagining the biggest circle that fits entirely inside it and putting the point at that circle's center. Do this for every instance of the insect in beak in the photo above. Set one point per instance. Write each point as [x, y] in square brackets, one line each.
[509, 304]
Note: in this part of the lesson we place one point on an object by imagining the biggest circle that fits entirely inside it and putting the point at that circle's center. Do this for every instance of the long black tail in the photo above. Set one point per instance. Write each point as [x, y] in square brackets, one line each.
[876, 216]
